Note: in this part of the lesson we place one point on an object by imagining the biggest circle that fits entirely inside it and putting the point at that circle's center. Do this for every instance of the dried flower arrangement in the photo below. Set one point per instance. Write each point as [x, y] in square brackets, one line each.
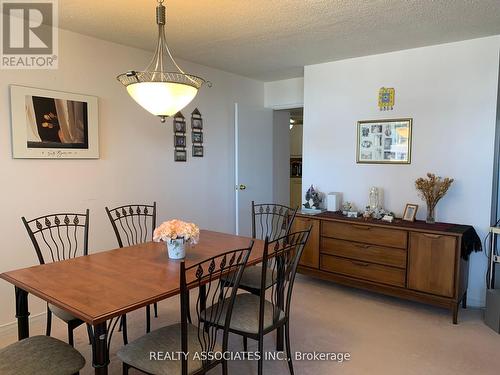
[431, 190]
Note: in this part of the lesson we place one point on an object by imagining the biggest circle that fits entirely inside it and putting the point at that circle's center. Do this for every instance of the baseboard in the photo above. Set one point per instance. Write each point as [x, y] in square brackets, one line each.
[8, 329]
[472, 302]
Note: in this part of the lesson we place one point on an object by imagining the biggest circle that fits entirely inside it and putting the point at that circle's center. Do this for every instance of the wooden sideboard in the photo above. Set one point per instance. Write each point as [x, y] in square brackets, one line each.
[415, 261]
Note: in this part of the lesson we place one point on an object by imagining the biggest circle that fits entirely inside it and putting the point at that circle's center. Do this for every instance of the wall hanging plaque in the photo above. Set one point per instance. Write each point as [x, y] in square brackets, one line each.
[197, 133]
[180, 153]
[386, 97]
[384, 141]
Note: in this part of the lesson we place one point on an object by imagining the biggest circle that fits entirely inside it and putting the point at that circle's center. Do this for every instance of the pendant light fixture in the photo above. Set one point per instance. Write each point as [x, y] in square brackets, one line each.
[163, 88]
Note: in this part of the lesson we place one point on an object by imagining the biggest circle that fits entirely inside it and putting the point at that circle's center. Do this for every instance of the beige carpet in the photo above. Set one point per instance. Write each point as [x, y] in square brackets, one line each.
[383, 335]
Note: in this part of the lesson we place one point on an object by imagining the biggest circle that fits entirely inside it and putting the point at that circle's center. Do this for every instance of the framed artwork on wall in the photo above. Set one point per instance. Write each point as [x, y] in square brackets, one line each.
[384, 141]
[50, 124]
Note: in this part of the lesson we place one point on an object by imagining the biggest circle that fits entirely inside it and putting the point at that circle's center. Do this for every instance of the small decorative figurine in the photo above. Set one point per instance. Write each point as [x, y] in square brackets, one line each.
[346, 207]
[368, 213]
[349, 210]
[313, 198]
[378, 213]
[389, 218]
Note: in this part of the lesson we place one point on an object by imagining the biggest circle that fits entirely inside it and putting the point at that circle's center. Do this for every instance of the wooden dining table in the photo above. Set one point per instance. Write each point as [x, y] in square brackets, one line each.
[104, 286]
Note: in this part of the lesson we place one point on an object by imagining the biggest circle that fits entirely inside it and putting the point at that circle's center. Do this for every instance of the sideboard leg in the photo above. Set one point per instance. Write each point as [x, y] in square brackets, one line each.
[464, 301]
[455, 312]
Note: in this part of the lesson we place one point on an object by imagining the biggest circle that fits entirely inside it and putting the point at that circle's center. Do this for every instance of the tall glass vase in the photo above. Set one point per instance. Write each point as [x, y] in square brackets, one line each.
[374, 198]
[431, 214]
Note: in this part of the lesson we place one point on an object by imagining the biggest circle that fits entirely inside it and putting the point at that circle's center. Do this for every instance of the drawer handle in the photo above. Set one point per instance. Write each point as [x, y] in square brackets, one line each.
[362, 264]
[362, 227]
[431, 235]
[360, 246]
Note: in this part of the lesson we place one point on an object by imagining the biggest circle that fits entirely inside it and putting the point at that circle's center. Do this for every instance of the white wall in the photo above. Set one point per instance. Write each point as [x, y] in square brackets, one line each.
[136, 163]
[450, 92]
[284, 94]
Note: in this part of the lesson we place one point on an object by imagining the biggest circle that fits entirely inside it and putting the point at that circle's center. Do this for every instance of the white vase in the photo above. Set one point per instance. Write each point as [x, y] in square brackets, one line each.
[176, 248]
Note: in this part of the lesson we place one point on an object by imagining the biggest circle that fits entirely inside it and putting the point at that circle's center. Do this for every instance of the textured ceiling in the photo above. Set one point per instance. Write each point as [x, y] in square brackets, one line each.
[271, 39]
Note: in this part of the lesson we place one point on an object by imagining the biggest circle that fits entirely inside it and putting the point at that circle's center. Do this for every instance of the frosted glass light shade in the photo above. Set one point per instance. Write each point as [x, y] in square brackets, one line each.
[162, 98]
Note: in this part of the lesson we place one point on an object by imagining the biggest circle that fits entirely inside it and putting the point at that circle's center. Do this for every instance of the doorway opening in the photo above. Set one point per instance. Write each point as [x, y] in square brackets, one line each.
[287, 156]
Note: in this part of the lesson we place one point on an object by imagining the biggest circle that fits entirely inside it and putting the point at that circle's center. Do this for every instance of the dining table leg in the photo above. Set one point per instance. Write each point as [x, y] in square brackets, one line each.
[100, 349]
[22, 313]
[280, 338]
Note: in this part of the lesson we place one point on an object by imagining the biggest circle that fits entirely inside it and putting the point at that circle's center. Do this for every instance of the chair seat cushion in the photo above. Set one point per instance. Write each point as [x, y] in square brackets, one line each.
[251, 278]
[164, 340]
[245, 316]
[40, 355]
[61, 314]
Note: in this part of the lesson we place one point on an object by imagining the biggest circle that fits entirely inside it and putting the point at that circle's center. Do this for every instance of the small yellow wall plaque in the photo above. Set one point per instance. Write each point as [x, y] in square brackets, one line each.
[386, 99]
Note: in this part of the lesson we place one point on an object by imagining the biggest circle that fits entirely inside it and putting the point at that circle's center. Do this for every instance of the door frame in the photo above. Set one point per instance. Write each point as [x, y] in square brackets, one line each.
[290, 107]
[495, 199]
[236, 169]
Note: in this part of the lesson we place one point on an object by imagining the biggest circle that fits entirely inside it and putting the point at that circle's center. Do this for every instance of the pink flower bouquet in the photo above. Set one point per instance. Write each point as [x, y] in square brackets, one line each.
[177, 229]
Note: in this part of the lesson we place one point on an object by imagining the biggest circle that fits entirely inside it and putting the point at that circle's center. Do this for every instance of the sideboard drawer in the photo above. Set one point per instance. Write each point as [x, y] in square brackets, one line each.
[365, 233]
[358, 251]
[310, 253]
[364, 270]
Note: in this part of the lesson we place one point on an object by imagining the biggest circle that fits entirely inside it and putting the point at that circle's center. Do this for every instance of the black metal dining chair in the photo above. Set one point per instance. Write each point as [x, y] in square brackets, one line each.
[194, 339]
[134, 224]
[272, 221]
[57, 237]
[255, 316]
[40, 355]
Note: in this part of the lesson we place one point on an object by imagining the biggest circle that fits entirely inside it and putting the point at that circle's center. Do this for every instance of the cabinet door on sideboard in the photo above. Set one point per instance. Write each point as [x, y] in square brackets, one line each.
[310, 255]
[431, 263]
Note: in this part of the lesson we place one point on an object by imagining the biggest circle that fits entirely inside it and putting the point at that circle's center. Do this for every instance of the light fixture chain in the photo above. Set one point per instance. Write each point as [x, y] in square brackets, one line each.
[161, 16]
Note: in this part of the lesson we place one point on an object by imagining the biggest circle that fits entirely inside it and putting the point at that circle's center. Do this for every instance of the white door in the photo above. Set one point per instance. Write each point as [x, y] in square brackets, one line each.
[253, 162]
